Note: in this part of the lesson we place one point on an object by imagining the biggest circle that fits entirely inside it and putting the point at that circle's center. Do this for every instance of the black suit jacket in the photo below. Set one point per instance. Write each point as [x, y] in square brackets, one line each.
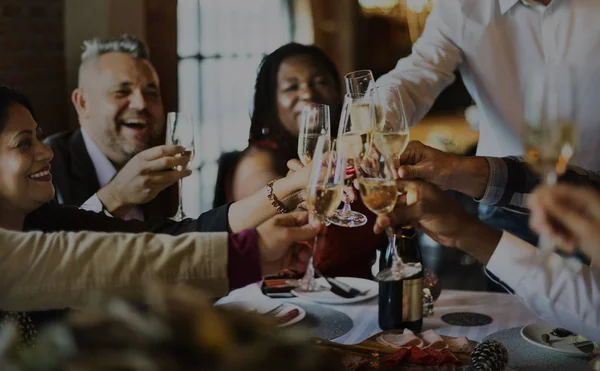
[75, 180]
[53, 217]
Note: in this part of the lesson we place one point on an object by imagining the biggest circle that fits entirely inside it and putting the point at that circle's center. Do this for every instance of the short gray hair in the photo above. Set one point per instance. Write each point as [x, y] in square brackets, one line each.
[96, 47]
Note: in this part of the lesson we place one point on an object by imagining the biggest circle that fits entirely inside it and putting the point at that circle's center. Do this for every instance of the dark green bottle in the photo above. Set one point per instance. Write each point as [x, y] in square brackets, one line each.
[401, 302]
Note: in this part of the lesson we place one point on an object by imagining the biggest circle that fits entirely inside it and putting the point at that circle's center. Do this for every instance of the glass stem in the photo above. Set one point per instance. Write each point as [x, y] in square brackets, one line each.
[545, 242]
[396, 260]
[309, 275]
[179, 214]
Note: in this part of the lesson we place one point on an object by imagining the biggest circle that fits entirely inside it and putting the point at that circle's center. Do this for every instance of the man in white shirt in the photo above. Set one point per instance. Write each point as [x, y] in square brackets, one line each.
[496, 45]
[551, 289]
[103, 165]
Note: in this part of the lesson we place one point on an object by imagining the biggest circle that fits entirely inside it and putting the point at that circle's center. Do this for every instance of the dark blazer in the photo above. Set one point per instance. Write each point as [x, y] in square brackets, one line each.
[52, 217]
[75, 180]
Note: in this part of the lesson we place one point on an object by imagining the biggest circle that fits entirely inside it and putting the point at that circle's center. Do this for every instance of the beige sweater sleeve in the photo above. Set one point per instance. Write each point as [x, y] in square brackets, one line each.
[58, 270]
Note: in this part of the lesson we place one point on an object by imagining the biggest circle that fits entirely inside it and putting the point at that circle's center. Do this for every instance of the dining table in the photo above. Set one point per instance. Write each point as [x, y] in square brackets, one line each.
[505, 310]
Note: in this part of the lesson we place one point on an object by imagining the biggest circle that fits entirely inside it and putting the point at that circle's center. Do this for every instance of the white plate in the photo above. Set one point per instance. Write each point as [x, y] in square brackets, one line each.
[533, 334]
[327, 297]
[266, 306]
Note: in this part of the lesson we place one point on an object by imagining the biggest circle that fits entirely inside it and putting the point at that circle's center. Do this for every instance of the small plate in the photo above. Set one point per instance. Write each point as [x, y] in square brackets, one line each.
[533, 334]
[262, 307]
[327, 297]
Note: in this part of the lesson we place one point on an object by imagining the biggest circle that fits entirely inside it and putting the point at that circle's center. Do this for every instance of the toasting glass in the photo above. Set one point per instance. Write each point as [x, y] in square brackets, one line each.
[315, 122]
[549, 134]
[180, 131]
[325, 191]
[358, 84]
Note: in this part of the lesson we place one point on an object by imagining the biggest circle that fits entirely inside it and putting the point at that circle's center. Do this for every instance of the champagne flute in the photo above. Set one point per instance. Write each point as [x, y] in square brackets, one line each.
[180, 131]
[390, 135]
[315, 122]
[353, 134]
[359, 82]
[376, 173]
[325, 191]
[549, 134]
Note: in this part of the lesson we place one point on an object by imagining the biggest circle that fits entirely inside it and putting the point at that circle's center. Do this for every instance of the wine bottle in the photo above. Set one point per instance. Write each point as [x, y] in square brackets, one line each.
[401, 301]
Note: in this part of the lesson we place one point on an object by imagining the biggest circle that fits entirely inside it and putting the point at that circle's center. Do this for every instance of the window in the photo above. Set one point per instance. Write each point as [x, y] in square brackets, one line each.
[220, 46]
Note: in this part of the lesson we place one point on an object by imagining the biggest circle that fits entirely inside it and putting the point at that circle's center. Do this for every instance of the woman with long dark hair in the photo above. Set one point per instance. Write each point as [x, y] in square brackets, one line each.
[289, 78]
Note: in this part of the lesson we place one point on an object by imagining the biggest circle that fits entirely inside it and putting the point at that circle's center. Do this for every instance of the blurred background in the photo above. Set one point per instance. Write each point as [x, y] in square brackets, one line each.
[207, 53]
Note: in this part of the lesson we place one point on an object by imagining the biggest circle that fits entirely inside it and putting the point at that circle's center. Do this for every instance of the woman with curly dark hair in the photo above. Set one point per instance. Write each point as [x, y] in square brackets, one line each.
[289, 78]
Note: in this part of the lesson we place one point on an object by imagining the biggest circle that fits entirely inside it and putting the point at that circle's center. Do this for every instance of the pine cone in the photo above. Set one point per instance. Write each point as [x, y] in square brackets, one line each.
[490, 355]
[23, 323]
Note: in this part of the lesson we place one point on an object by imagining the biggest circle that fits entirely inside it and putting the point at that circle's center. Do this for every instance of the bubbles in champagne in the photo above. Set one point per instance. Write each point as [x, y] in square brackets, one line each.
[550, 146]
[391, 144]
[306, 147]
[324, 200]
[189, 153]
[379, 195]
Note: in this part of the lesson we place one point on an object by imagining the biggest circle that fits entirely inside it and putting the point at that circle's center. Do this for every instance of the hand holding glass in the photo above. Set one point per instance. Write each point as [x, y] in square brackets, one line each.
[180, 131]
[324, 195]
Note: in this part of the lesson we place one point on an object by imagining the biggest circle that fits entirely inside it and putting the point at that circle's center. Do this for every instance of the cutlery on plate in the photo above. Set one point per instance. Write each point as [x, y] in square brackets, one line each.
[584, 346]
[342, 289]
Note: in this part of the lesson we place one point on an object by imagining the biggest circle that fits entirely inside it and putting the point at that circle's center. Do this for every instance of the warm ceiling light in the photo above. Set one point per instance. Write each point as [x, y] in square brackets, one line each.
[416, 6]
[382, 4]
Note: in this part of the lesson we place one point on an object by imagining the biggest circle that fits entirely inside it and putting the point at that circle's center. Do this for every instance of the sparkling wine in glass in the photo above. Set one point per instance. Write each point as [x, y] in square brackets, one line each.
[358, 85]
[550, 132]
[325, 191]
[315, 122]
[359, 82]
[376, 173]
[180, 131]
[356, 124]
[390, 134]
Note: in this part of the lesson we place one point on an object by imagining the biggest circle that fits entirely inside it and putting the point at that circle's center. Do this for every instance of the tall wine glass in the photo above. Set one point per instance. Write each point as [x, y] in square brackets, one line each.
[315, 122]
[353, 133]
[390, 135]
[358, 85]
[550, 130]
[325, 191]
[376, 173]
[180, 131]
[359, 82]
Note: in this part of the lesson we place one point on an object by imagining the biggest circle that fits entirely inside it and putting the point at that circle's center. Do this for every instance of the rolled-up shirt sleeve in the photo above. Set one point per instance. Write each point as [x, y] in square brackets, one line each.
[552, 290]
[511, 182]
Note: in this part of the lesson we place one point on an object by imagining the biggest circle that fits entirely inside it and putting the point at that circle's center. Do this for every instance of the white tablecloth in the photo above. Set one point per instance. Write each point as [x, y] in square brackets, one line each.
[506, 311]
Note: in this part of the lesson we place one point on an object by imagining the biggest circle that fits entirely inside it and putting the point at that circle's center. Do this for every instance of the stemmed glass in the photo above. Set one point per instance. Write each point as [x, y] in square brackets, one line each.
[359, 82]
[390, 135]
[180, 131]
[549, 134]
[376, 174]
[358, 85]
[325, 190]
[315, 122]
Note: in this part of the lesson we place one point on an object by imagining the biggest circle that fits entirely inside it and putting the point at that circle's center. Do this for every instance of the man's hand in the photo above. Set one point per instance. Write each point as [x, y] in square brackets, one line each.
[428, 208]
[468, 175]
[276, 241]
[570, 215]
[143, 178]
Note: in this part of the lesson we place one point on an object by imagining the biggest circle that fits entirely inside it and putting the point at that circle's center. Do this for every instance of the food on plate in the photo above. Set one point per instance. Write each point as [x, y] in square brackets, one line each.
[425, 340]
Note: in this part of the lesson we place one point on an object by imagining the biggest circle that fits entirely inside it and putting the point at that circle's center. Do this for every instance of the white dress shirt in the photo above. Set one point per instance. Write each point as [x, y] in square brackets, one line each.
[105, 172]
[496, 45]
[554, 292]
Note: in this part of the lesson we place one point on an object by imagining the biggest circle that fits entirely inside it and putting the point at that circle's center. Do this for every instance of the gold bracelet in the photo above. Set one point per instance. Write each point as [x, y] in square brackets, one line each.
[273, 199]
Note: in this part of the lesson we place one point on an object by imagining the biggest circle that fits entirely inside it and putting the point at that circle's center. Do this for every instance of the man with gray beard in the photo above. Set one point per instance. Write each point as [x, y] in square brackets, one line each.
[107, 164]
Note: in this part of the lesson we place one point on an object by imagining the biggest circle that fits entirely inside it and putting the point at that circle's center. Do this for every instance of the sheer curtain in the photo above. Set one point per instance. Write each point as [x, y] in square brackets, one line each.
[220, 46]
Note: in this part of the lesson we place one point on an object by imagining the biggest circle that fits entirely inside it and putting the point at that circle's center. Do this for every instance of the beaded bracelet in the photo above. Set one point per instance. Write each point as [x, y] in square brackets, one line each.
[273, 199]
